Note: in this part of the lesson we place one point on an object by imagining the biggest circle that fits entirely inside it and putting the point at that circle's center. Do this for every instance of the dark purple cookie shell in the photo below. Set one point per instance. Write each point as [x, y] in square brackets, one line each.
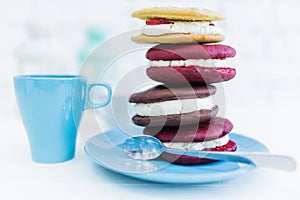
[190, 160]
[189, 51]
[204, 131]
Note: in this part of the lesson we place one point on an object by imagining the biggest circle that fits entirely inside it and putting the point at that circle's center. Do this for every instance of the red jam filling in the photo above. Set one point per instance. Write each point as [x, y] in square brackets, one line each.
[158, 21]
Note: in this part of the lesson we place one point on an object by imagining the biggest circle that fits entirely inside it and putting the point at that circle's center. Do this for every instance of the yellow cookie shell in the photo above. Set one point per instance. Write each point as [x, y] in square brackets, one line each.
[178, 14]
[178, 38]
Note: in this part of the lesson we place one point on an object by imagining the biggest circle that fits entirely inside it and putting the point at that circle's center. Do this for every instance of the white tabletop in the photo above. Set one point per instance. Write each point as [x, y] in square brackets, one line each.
[80, 178]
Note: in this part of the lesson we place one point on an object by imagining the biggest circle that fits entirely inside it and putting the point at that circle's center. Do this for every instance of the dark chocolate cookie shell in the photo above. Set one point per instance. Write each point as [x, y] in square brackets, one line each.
[164, 93]
[176, 120]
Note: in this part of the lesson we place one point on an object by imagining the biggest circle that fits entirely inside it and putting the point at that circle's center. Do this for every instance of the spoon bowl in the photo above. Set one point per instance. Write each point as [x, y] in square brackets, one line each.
[143, 147]
[147, 147]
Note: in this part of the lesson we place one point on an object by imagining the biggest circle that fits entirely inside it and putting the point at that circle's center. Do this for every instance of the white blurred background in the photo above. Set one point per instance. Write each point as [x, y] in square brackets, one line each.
[39, 36]
[262, 101]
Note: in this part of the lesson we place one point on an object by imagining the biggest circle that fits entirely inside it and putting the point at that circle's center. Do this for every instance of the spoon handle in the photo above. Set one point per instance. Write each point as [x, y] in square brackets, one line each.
[266, 160]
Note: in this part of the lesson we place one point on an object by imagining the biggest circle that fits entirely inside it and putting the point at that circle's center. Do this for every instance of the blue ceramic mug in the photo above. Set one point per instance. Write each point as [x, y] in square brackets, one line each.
[51, 107]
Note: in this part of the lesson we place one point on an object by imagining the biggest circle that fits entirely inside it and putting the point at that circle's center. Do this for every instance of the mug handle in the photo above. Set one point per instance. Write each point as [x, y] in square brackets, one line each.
[89, 104]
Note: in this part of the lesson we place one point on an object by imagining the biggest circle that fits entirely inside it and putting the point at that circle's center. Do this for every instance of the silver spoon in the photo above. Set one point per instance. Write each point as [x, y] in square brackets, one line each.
[147, 147]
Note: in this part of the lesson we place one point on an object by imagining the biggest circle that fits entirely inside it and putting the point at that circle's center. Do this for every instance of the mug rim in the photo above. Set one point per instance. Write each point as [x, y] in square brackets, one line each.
[49, 76]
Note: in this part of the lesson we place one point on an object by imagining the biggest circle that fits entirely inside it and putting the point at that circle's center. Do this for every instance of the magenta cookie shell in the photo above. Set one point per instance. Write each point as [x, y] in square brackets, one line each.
[205, 131]
[191, 74]
[189, 51]
[190, 160]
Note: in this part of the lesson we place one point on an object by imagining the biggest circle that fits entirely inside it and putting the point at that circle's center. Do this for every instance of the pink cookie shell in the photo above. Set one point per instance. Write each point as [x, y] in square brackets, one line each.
[190, 160]
[191, 74]
[209, 130]
[189, 51]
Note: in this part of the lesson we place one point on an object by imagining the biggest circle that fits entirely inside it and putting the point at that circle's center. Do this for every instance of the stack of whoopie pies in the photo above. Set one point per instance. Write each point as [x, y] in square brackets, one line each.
[180, 112]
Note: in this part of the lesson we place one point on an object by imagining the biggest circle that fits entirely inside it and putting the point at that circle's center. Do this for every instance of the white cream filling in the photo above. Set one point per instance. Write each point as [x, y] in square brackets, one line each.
[184, 63]
[181, 27]
[198, 146]
[173, 107]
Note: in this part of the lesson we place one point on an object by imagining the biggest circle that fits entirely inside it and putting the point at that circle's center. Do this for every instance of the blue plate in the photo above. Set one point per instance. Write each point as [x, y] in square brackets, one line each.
[104, 150]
